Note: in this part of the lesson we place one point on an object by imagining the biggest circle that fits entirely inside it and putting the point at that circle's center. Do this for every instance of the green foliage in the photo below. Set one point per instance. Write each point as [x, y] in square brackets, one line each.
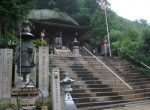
[145, 46]
[98, 25]
[15, 9]
[69, 6]
[128, 40]
[40, 42]
[12, 12]
[132, 34]
[91, 5]
[8, 40]
[7, 105]
[116, 35]
[40, 102]
[83, 18]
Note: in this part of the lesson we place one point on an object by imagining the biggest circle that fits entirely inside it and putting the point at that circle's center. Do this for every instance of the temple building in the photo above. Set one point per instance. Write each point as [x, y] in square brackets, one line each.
[58, 28]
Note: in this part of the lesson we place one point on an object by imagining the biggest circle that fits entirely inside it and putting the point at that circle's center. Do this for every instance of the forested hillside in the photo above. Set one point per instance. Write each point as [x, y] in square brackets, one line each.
[131, 36]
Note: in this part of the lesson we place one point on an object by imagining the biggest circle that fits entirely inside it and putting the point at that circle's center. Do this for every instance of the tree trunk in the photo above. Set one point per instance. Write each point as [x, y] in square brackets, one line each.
[1, 22]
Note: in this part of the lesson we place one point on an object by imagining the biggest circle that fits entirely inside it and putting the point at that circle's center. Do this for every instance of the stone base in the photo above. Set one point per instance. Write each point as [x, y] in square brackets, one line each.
[44, 107]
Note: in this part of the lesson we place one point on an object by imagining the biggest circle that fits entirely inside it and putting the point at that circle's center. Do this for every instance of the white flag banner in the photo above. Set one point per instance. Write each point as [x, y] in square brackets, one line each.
[102, 4]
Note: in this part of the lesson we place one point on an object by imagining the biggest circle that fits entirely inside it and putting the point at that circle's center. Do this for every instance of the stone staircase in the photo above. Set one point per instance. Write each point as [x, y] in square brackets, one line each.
[97, 88]
[129, 73]
[63, 52]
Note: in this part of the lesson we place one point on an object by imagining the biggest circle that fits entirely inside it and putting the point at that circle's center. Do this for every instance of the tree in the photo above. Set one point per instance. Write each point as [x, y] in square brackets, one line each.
[143, 22]
[145, 47]
[43, 4]
[132, 34]
[91, 5]
[116, 35]
[69, 6]
[12, 12]
[98, 25]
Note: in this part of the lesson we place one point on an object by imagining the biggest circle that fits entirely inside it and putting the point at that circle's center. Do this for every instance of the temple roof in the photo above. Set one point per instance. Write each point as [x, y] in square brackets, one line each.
[51, 16]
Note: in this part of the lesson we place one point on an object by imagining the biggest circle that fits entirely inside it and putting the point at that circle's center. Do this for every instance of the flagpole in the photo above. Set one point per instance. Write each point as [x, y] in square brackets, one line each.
[110, 54]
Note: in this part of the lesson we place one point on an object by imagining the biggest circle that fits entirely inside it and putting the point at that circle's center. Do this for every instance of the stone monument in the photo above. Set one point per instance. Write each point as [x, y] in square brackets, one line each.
[6, 56]
[56, 97]
[44, 70]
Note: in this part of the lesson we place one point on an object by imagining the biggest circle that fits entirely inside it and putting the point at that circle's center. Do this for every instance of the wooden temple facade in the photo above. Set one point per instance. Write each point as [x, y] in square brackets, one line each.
[59, 35]
[59, 32]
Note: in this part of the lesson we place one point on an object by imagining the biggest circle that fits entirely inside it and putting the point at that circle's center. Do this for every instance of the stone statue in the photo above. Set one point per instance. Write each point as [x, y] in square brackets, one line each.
[25, 53]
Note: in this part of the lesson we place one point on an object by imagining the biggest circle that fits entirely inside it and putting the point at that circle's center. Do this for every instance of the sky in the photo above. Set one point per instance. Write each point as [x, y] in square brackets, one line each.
[131, 9]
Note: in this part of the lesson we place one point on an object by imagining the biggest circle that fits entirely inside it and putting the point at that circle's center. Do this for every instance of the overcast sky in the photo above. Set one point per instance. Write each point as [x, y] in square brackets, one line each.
[132, 9]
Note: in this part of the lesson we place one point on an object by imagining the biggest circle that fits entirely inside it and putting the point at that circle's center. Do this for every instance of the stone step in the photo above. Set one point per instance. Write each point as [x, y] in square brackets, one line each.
[93, 82]
[96, 99]
[133, 76]
[82, 72]
[109, 103]
[78, 91]
[79, 95]
[110, 93]
[138, 79]
[91, 89]
[97, 86]
[137, 82]
[89, 78]
[113, 98]
[130, 102]
[89, 67]
[82, 105]
[79, 69]
[85, 75]
[80, 100]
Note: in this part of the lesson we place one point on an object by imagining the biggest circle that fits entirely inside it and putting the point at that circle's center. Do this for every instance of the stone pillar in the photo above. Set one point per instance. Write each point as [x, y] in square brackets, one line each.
[76, 47]
[1, 72]
[43, 70]
[6, 56]
[33, 70]
[56, 97]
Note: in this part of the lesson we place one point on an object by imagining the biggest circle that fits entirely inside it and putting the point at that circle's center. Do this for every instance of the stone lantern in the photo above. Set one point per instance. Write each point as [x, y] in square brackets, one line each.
[68, 101]
[76, 47]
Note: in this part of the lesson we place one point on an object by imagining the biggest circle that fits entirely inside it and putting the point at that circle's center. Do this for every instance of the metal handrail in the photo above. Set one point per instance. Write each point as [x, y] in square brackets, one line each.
[108, 68]
[135, 59]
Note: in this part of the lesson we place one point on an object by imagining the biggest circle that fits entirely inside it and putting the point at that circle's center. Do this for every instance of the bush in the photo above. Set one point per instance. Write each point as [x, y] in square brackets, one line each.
[40, 42]
[8, 40]
[7, 105]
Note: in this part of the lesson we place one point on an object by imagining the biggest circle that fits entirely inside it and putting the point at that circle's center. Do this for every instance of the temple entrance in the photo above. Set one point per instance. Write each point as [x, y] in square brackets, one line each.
[58, 42]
